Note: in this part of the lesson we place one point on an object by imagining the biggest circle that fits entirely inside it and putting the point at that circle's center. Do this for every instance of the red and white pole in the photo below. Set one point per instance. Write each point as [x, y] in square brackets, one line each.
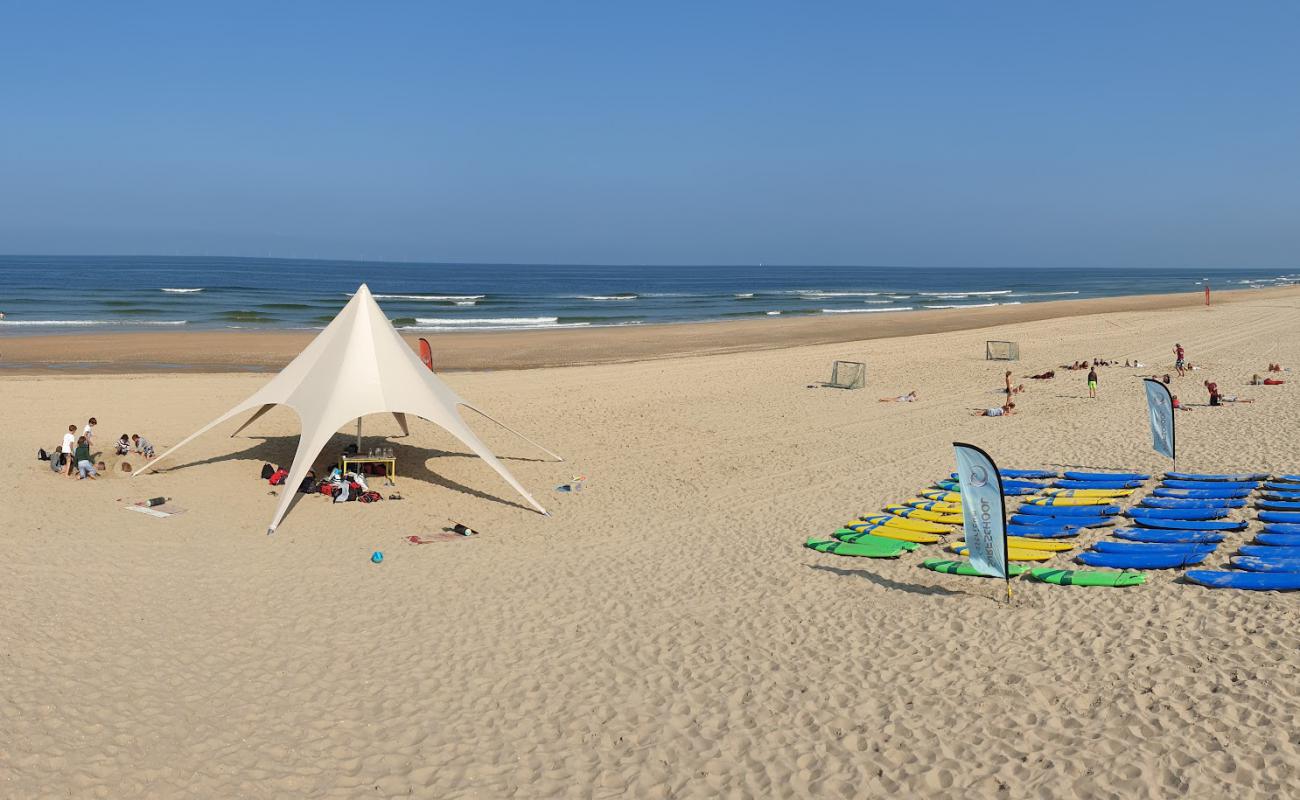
[1207, 291]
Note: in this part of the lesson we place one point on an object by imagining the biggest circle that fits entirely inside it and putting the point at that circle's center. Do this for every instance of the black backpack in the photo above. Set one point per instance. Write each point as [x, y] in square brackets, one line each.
[41, 455]
[267, 471]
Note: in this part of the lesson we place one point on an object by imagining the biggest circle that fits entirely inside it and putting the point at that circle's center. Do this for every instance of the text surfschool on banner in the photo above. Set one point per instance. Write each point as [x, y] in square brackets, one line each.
[983, 511]
[1160, 410]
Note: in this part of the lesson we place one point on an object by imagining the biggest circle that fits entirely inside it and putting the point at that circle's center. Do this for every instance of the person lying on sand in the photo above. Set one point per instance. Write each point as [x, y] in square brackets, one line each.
[999, 411]
[1217, 399]
[1043, 376]
[910, 397]
[1255, 380]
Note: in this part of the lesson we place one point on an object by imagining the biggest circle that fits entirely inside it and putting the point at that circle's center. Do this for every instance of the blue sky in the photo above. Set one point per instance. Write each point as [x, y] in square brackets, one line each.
[906, 133]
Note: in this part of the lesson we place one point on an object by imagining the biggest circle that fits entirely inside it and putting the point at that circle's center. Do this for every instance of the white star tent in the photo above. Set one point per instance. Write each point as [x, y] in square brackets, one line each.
[358, 365]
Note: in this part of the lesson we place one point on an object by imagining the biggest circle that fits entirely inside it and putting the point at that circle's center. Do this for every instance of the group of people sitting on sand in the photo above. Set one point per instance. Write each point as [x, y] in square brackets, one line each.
[77, 452]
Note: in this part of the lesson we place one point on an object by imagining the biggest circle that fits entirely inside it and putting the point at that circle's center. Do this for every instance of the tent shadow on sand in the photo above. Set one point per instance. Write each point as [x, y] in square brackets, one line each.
[411, 466]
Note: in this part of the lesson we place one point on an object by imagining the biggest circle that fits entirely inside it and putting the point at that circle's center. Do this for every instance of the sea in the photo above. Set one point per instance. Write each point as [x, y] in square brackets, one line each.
[77, 294]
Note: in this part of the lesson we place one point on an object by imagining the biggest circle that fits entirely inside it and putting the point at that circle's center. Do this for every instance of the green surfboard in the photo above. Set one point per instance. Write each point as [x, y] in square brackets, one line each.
[866, 537]
[888, 549]
[952, 567]
[1086, 577]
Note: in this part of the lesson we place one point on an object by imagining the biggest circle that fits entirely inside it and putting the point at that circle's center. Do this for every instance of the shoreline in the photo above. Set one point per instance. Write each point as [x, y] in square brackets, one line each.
[264, 351]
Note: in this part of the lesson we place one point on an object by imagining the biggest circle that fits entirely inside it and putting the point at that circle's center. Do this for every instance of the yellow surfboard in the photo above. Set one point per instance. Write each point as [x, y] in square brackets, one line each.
[906, 524]
[941, 496]
[1013, 553]
[1088, 492]
[918, 513]
[1027, 543]
[894, 533]
[935, 505]
[1057, 500]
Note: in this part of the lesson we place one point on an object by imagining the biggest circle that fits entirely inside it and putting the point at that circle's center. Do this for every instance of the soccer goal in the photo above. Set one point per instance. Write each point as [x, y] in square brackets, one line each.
[1001, 351]
[848, 375]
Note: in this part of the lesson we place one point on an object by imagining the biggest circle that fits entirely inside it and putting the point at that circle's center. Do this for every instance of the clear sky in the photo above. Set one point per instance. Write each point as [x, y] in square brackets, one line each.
[906, 133]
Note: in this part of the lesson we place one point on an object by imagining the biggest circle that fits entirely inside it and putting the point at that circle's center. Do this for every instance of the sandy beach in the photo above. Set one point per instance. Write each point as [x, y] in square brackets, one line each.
[663, 634]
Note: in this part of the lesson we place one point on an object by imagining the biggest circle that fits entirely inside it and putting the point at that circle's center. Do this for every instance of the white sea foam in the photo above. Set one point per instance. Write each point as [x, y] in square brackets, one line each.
[818, 294]
[774, 313]
[743, 295]
[963, 293]
[87, 323]
[1041, 294]
[427, 297]
[487, 320]
[607, 297]
[963, 305]
[863, 310]
[466, 302]
[183, 291]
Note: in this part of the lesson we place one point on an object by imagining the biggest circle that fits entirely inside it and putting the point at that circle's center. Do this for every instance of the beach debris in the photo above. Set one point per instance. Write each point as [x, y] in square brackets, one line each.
[574, 485]
[461, 528]
[377, 557]
[160, 510]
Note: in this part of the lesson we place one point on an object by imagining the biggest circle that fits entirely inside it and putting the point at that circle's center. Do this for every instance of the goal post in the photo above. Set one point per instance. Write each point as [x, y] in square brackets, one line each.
[848, 375]
[1001, 351]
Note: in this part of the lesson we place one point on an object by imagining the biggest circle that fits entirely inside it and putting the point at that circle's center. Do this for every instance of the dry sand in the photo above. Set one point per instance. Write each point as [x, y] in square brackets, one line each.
[663, 634]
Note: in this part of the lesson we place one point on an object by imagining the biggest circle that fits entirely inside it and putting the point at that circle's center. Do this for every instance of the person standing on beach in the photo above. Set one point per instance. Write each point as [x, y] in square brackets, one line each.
[1008, 378]
[1092, 383]
[1180, 360]
[69, 445]
[89, 431]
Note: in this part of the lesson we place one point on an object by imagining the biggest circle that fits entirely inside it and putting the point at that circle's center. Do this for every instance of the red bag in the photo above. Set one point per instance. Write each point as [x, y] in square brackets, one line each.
[278, 476]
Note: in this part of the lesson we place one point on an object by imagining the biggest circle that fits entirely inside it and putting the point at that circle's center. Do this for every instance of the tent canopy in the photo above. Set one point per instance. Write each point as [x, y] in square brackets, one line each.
[358, 365]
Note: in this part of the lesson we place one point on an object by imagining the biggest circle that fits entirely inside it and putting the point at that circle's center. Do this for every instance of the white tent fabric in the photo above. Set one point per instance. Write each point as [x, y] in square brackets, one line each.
[358, 365]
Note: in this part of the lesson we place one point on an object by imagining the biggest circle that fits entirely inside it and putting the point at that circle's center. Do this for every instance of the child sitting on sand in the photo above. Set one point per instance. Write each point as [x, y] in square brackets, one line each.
[123, 445]
[142, 445]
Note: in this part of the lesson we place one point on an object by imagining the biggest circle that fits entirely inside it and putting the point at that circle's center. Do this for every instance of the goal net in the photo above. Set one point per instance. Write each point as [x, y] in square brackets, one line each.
[848, 375]
[1001, 351]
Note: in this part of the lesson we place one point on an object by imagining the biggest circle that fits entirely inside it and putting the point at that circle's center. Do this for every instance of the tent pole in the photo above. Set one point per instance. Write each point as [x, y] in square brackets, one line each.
[358, 435]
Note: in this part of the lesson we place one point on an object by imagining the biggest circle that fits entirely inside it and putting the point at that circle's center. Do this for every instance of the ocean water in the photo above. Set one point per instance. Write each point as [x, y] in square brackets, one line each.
[71, 294]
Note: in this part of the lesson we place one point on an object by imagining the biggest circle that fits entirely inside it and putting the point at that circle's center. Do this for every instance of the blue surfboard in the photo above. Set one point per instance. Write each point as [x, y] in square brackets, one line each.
[1217, 477]
[1068, 511]
[1191, 524]
[1269, 551]
[1178, 513]
[1278, 539]
[1202, 485]
[1285, 497]
[1141, 560]
[1055, 522]
[1182, 537]
[1281, 527]
[1277, 505]
[1152, 547]
[1279, 486]
[1256, 564]
[1202, 493]
[1190, 502]
[1253, 581]
[1042, 531]
[1107, 476]
[1068, 484]
[1288, 517]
